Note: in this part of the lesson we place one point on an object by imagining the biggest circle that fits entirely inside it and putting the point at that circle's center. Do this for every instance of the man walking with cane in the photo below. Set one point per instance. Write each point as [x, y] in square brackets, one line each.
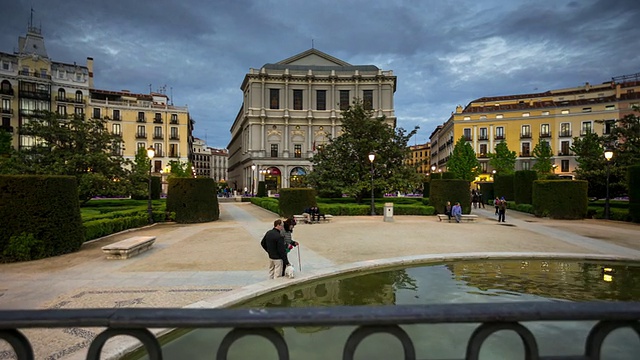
[273, 244]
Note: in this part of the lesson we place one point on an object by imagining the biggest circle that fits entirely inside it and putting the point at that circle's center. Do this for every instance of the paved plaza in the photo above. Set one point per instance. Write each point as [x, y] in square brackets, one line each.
[218, 263]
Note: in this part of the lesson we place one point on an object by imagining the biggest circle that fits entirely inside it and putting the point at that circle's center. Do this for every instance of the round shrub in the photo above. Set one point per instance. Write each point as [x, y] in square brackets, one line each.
[560, 199]
[193, 200]
[454, 190]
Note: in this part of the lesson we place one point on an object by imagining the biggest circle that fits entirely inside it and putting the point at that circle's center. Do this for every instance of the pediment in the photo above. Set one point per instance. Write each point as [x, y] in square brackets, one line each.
[313, 57]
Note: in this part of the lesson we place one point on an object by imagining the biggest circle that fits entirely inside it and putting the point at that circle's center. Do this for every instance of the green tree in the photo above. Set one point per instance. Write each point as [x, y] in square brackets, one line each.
[463, 162]
[591, 163]
[139, 176]
[73, 146]
[542, 153]
[5, 142]
[343, 166]
[180, 169]
[503, 160]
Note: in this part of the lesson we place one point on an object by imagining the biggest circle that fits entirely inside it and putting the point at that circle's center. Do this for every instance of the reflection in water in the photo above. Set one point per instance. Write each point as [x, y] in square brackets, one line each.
[458, 282]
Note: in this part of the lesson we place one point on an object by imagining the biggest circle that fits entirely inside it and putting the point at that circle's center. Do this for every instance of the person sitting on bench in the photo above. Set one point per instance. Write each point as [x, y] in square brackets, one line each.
[315, 214]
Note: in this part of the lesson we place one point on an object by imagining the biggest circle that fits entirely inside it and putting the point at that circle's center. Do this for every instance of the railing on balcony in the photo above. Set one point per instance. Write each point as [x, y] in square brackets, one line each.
[566, 133]
[41, 95]
[6, 91]
[564, 153]
[141, 119]
[157, 120]
[174, 155]
[467, 138]
[70, 99]
[499, 137]
[483, 137]
[525, 154]
[525, 135]
[487, 318]
[545, 135]
[141, 136]
[159, 153]
[483, 155]
[174, 121]
[158, 136]
[7, 111]
[35, 74]
[174, 137]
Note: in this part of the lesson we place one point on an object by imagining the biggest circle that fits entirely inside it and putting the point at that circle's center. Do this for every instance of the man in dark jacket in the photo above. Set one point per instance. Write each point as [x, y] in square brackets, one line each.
[273, 244]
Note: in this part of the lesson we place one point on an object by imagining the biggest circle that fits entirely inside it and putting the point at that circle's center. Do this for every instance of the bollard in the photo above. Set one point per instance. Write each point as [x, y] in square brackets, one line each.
[388, 212]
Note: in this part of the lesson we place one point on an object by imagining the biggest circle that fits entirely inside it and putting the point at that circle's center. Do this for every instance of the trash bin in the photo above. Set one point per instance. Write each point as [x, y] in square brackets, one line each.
[388, 212]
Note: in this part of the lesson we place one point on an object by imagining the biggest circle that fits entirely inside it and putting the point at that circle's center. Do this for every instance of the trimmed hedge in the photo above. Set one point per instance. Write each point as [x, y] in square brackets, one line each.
[522, 186]
[454, 190]
[268, 203]
[503, 186]
[448, 175]
[560, 199]
[39, 217]
[193, 200]
[294, 200]
[633, 176]
[262, 189]
[425, 189]
[156, 187]
[488, 194]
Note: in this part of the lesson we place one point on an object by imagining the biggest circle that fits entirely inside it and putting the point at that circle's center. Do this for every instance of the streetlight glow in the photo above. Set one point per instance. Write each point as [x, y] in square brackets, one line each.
[608, 154]
[433, 168]
[253, 169]
[372, 156]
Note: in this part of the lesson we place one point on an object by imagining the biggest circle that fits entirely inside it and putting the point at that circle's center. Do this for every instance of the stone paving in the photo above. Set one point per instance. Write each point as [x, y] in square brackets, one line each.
[218, 263]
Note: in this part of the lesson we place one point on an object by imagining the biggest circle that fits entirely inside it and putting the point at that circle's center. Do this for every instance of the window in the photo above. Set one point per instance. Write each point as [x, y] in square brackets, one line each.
[367, 99]
[297, 150]
[610, 107]
[297, 99]
[483, 117]
[62, 110]
[564, 166]
[565, 130]
[467, 118]
[586, 128]
[5, 65]
[587, 109]
[526, 149]
[274, 99]
[565, 112]
[483, 165]
[116, 114]
[545, 113]
[141, 116]
[499, 133]
[483, 150]
[321, 99]
[564, 148]
[141, 145]
[174, 133]
[62, 96]
[526, 114]
[158, 147]
[115, 129]
[96, 113]
[499, 116]
[274, 150]
[173, 150]
[344, 99]
[78, 77]
[79, 97]
[174, 118]
[141, 131]
[78, 111]
[525, 132]
[483, 134]
[544, 130]
[608, 126]
[526, 165]
[6, 105]
[157, 132]
[157, 118]
[467, 134]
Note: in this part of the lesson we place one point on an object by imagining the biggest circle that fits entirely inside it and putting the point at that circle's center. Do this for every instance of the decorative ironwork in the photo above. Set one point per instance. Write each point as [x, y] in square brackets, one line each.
[369, 320]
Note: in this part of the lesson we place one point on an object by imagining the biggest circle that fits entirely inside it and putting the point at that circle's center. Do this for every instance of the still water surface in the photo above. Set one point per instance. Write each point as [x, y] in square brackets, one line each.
[457, 282]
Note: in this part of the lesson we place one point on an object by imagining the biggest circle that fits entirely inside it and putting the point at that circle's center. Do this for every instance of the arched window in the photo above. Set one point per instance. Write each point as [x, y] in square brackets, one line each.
[62, 95]
[296, 177]
[79, 96]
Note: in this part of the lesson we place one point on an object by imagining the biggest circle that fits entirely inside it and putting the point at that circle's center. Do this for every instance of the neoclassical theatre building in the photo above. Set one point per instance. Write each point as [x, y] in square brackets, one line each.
[292, 108]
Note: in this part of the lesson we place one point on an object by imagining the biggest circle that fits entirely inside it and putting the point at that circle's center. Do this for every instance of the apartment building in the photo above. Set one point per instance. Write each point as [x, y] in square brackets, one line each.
[30, 81]
[219, 164]
[290, 110]
[555, 116]
[420, 157]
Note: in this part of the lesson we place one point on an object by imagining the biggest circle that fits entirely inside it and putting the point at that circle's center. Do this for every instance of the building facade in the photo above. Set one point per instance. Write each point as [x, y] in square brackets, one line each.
[290, 110]
[30, 81]
[420, 157]
[219, 164]
[555, 116]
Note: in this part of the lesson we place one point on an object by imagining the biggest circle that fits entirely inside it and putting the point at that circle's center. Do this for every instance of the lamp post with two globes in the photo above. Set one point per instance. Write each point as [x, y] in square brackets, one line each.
[608, 154]
[372, 156]
[151, 152]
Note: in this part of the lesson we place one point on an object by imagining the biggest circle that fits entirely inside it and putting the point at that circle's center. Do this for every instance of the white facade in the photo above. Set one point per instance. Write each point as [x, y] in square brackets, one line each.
[292, 108]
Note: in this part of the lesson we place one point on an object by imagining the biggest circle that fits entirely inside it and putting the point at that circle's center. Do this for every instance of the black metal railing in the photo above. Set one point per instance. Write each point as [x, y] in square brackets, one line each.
[491, 317]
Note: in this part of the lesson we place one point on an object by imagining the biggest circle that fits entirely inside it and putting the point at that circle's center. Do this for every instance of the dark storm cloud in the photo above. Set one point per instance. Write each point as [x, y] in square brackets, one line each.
[444, 53]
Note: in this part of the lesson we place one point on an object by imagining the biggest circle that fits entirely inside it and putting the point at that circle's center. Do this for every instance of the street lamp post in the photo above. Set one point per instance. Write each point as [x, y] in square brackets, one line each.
[151, 152]
[253, 169]
[433, 168]
[608, 154]
[372, 156]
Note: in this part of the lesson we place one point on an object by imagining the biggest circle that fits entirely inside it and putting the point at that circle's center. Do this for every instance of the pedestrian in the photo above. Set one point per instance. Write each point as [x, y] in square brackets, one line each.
[502, 209]
[456, 211]
[496, 203]
[447, 210]
[474, 198]
[273, 243]
[480, 200]
[289, 243]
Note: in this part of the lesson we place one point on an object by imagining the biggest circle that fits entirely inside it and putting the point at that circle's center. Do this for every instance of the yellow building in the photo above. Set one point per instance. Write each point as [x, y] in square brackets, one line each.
[419, 157]
[555, 116]
[30, 81]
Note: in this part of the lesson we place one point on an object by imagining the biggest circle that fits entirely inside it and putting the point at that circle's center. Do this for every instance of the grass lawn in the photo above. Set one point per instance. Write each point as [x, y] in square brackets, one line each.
[97, 209]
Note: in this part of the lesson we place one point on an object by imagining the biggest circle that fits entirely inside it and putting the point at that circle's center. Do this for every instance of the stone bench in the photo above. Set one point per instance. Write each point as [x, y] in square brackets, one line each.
[303, 219]
[128, 247]
[463, 218]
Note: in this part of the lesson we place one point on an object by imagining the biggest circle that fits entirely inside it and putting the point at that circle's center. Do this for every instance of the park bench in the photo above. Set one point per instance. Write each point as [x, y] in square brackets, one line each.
[128, 247]
[463, 218]
[305, 218]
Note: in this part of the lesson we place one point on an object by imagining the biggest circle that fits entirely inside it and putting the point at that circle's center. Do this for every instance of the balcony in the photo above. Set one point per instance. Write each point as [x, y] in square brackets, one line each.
[482, 156]
[141, 136]
[159, 153]
[7, 128]
[34, 74]
[158, 136]
[545, 135]
[499, 137]
[566, 133]
[8, 91]
[525, 154]
[483, 137]
[174, 155]
[174, 137]
[157, 120]
[141, 120]
[467, 138]
[174, 121]
[525, 135]
[73, 100]
[40, 95]
[585, 132]
[6, 111]
[564, 153]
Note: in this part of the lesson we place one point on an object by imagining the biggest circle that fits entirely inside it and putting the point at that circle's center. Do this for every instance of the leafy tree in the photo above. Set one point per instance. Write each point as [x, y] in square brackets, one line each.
[180, 169]
[5, 142]
[73, 146]
[503, 160]
[591, 163]
[625, 140]
[139, 178]
[542, 153]
[343, 166]
[463, 162]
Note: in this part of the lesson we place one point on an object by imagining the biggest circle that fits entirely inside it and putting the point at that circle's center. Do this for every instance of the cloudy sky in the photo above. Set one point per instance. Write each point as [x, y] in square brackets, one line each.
[443, 52]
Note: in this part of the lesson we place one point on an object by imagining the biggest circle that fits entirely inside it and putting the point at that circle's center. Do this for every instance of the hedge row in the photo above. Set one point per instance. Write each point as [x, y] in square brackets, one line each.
[452, 190]
[634, 192]
[106, 226]
[560, 199]
[194, 200]
[295, 200]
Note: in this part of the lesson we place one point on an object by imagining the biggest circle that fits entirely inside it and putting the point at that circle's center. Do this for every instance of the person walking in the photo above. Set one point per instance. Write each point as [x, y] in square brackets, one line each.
[273, 243]
[456, 211]
[502, 209]
[496, 203]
